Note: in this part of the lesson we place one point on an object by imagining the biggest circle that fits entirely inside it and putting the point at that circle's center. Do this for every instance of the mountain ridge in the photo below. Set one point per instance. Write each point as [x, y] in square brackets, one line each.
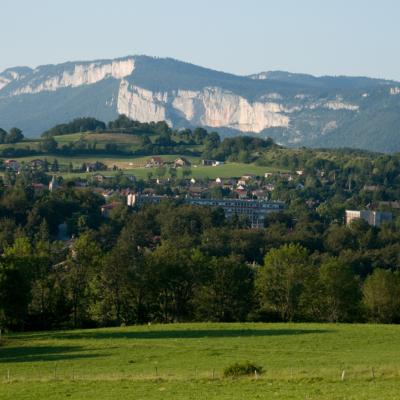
[294, 109]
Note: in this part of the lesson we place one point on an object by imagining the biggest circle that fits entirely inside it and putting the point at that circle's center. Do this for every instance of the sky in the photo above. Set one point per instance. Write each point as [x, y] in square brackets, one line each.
[321, 37]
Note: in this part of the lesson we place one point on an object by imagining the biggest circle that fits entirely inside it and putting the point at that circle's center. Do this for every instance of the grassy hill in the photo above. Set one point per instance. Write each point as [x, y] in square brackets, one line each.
[129, 164]
[186, 361]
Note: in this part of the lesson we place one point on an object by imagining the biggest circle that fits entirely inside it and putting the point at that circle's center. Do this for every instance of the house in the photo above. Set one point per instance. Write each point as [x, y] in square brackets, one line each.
[259, 194]
[196, 191]
[91, 167]
[211, 163]
[193, 181]
[218, 180]
[11, 165]
[36, 164]
[162, 181]
[207, 163]
[241, 193]
[182, 162]
[107, 208]
[268, 175]
[248, 177]
[245, 180]
[269, 187]
[155, 162]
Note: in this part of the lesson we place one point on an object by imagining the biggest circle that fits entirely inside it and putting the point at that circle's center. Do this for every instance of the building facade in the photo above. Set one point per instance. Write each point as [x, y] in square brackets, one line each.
[255, 211]
[374, 218]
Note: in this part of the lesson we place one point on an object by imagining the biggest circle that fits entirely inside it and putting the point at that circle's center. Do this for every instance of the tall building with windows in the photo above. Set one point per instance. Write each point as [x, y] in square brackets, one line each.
[255, 210]
[374, 218]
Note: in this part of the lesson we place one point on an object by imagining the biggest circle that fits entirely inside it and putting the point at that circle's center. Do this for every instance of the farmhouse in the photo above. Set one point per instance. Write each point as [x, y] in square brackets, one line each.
[182, 162]
[155, 162]
[211, 163]
[91, 167]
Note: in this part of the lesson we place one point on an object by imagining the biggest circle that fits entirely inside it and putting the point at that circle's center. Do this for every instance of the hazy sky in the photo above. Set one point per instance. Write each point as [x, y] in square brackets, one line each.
[352, 37]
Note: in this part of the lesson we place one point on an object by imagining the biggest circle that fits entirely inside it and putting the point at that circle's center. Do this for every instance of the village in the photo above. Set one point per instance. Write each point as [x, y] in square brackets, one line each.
[250, 196]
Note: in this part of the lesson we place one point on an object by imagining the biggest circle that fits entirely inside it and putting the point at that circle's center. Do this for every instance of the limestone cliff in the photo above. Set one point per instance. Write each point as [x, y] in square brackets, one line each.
[80, 74]
[211, 107]
[140, 104]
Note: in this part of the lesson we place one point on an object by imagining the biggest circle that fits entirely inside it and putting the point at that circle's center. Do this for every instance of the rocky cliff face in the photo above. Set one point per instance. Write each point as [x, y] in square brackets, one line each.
[80, 74]
[211, 107]
[294, 109]
[141, 104]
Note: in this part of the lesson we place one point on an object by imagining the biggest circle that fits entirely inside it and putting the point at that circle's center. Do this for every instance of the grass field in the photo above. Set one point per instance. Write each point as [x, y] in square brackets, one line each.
[136, 166]
[186, 361]
[230, 170]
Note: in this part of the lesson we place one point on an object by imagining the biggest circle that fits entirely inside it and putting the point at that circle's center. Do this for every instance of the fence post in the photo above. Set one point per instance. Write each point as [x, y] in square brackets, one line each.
[343, 375]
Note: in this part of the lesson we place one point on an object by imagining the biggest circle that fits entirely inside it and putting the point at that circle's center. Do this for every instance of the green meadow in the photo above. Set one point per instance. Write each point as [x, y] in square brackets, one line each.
[186, 361]
[136, 166]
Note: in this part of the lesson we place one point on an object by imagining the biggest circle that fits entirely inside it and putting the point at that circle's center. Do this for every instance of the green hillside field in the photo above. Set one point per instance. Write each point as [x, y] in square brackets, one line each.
[136, 166]
[186, 361]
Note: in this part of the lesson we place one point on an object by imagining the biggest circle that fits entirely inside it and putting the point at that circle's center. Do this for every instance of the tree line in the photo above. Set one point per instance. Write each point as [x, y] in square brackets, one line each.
[14, 135]
[175, 262]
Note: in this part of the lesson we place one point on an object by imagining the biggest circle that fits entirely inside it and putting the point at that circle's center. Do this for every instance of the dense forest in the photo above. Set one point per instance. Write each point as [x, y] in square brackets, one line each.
[174, 262]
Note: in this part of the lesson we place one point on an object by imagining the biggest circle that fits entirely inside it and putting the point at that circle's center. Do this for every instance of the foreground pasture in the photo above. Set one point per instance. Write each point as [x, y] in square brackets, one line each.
[186, 361]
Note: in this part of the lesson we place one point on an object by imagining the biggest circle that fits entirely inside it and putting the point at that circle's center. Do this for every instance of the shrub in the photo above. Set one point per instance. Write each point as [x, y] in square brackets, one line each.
[241, 369]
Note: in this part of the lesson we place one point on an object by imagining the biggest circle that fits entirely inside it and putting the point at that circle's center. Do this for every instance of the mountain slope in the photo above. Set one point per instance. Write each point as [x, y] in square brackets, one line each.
[294, 109]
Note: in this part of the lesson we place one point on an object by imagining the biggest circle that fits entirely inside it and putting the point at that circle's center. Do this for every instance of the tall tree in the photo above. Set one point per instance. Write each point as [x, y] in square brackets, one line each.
[341, 293]
[382, 296]
[83, 263]
[14, 136]
[226, 290]
[15, 283]
[282, 278]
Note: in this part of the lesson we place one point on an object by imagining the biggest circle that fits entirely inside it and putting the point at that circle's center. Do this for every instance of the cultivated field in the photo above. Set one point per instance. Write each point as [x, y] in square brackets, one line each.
[186, 361]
